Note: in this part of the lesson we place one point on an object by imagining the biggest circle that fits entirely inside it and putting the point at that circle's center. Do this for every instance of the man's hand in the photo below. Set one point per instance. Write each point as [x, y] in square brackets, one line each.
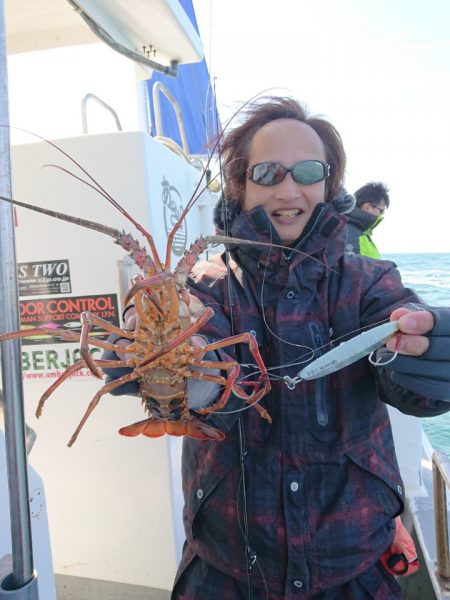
[412, 325]
[423, 345]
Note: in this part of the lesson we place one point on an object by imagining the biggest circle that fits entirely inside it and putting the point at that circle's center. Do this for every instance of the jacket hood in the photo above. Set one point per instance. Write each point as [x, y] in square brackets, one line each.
[226, 211]
[320, 245]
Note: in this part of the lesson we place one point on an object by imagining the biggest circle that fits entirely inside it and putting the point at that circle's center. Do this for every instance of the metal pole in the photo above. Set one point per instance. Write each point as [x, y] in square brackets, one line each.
[441, 479]
[22, 554]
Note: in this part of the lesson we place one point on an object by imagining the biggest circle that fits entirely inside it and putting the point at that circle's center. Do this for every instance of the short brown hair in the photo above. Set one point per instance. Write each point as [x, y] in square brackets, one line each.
[236, 144]
[372, 192]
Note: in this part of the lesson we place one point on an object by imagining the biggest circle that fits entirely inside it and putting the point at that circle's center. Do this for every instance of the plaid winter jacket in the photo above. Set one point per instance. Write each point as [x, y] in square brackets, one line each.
[322, 481]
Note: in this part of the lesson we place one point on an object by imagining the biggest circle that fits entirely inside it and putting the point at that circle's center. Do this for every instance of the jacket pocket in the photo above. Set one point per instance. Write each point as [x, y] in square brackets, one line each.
[387, 484]
[205, 466]
[353, 511]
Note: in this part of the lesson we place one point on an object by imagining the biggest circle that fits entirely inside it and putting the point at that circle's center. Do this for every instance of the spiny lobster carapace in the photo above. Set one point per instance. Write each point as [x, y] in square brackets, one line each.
[160, 356]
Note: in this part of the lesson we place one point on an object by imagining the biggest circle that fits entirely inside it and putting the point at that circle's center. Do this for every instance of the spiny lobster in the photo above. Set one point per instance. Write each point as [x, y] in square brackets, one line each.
[161, 353]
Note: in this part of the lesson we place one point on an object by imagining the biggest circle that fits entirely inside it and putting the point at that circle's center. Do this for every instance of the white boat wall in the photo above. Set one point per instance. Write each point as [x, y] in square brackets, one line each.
[113, 504]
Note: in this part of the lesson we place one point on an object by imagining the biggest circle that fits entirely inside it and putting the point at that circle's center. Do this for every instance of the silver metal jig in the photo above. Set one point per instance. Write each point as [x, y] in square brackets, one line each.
[345, 354]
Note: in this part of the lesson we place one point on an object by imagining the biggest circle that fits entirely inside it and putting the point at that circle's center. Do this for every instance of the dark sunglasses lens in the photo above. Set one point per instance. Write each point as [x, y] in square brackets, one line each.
[267, 173]
[308, 172]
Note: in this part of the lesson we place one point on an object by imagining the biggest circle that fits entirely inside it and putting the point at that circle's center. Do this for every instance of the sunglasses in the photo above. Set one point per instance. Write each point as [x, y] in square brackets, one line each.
[305, 172]
[380, 209]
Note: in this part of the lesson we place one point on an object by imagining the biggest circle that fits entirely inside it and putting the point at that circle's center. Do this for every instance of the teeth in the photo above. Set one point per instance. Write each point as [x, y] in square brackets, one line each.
[287, 213]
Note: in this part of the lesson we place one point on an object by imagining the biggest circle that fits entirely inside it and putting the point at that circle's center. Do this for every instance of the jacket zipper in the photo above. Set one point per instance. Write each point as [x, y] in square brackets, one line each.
[288, 256]
[321, 406]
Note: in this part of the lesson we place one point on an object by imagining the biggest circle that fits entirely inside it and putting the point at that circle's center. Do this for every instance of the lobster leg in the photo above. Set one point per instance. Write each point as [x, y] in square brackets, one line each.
[107, 326]
[87, 321]
[149, 282]
[69, 372]
[104, 390]
[231, 385]
[242, 338]
[86, 326]
[156, 306]
[68, 336]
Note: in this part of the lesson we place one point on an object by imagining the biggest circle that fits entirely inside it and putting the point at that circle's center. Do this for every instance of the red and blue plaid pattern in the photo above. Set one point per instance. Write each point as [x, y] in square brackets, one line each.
[322, 481]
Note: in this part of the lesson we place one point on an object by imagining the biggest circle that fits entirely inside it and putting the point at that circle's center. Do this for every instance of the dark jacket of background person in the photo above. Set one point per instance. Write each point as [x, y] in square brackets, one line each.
[322, 482]
[362, 219]
[359, 233]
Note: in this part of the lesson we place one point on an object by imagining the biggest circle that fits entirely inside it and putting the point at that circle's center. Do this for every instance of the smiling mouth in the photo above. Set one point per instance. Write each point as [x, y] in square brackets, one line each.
[291, 212]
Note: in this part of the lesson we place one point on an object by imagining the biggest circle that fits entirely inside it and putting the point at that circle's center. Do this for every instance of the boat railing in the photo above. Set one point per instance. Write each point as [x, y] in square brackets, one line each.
[158, 88]
[441, 481]
[183, 150]
[103, 104]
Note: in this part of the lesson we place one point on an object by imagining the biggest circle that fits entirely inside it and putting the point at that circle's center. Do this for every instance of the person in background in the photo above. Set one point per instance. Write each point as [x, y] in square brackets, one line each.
[302, 505]
[372, 200]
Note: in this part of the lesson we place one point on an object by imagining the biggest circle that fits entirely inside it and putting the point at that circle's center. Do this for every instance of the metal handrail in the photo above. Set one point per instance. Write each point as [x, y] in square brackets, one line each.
[159, 87]
[441, 480]
[102, 103]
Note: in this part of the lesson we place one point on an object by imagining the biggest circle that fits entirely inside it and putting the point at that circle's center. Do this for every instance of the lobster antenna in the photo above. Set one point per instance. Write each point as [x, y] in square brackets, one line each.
[195, 195]
[91, 185]
[116, 205]
[125, 241]
[99, 189]
[223, 239]
[114, 233]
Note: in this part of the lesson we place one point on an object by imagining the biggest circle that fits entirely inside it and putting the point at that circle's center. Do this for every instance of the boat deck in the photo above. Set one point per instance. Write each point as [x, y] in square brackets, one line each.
[419, 518]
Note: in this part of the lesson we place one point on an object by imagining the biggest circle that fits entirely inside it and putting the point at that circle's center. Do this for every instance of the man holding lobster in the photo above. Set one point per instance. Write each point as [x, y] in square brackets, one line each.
[301, 505]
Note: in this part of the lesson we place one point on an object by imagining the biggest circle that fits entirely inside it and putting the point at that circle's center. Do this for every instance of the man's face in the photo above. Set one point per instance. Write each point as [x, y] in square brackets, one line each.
[289, 205]
[374, 209]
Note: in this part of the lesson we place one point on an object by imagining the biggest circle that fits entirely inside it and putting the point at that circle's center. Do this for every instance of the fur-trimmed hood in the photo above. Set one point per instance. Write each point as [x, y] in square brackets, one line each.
[225, 212]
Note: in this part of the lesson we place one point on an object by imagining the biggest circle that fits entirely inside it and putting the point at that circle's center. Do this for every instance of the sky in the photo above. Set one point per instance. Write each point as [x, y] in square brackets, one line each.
[379, 70]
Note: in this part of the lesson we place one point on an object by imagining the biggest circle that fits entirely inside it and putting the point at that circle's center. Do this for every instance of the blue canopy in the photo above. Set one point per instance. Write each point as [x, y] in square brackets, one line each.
[195, 97]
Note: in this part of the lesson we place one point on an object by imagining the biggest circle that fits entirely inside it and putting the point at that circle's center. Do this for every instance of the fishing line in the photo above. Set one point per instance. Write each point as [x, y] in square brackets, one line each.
[305, 357]
[274, 377]
[249, 554]
[243, 531]
[270, 330]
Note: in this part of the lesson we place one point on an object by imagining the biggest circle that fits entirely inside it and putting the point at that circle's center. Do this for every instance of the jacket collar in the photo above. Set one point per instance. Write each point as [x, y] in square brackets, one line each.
[321, 242]
[226, 211]
[364, 220]
[320, 246]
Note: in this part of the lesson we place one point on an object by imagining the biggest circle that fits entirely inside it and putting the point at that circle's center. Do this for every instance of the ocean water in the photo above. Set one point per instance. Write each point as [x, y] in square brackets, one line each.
[429, 276]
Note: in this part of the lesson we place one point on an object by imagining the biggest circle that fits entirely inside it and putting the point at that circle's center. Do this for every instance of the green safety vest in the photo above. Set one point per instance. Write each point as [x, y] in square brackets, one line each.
[366, 245]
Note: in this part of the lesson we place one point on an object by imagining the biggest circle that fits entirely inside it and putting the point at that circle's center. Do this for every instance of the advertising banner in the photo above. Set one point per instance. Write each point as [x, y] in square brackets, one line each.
[39, 361]
[44, 277]
[64, 313]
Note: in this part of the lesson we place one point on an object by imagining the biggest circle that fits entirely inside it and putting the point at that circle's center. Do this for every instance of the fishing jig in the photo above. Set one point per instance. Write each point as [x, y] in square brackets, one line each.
[345, 354]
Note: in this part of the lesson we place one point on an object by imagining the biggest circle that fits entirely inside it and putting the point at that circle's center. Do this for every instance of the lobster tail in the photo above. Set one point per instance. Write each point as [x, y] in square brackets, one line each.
[201, 431]
[192, 427]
